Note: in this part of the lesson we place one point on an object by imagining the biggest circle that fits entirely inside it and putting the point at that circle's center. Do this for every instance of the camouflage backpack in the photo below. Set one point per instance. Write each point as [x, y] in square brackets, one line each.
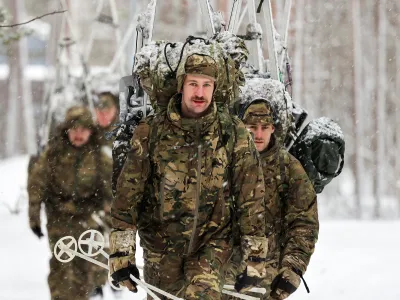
[157, 65]
[320, 149]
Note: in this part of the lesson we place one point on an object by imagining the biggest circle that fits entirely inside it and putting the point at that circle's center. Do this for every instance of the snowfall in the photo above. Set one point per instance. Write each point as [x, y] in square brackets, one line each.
[352, 260]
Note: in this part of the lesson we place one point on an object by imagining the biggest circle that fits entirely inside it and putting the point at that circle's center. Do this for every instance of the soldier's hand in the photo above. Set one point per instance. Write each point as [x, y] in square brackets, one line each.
[285, 283]
[37, 231]
[121, 268]
[245, 282]
[122, 258]
[254, 251]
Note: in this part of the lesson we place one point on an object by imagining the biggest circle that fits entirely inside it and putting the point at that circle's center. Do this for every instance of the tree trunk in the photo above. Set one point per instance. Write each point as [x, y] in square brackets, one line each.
[357, 115]
[397, 167]
[381, 108]
[298, 55]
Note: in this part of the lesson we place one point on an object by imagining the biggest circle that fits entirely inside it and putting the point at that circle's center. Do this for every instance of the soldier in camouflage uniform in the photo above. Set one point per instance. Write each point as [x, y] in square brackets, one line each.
[107, 111]
[69, 179]
[189, 166]
[291, 203]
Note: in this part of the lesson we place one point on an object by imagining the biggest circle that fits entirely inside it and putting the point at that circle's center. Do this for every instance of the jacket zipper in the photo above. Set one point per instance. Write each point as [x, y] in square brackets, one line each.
[198, 190]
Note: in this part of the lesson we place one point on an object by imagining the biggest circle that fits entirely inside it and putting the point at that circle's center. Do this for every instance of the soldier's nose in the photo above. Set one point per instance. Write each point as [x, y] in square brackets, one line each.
[199, 92]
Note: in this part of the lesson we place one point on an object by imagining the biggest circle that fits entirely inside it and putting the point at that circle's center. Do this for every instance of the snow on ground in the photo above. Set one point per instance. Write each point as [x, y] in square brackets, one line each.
[353, 259]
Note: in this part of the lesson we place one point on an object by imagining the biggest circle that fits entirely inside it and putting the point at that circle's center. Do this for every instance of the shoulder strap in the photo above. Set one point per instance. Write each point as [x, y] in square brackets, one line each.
[154, 131]
[284, 174]
[227, 132]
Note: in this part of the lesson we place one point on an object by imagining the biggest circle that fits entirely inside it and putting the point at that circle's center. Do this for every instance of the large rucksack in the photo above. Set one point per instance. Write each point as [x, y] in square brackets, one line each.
[157, 63]
[320, 149]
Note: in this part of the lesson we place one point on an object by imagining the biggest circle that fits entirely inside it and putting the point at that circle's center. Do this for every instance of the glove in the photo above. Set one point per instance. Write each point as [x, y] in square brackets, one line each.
[37, 231]
[285, 283]
[122, 275]
[245, 282]
[122, 258]
[254, 251]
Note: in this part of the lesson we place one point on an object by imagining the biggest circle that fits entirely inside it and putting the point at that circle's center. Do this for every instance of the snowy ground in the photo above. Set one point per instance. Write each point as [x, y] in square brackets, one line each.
[353, 259]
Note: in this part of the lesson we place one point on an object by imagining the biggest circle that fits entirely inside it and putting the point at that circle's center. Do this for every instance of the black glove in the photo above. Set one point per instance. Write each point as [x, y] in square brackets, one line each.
[244, 282]
[122, 276]
[285, 284]
[37, 231]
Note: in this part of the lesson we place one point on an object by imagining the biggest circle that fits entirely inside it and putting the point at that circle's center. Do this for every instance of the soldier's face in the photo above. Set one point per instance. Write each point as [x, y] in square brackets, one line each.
[196, 95]
[79, 136]
[106, 116]
[262, 134]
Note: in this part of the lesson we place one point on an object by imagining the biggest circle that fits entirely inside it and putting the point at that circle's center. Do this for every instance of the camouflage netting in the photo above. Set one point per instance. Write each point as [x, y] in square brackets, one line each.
[157, 63]
[273, 91]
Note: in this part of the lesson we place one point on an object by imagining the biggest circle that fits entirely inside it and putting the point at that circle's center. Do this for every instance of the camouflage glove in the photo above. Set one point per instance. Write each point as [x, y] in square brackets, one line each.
[122, 258]
[37, 231]
[285, 283]
[254, 251]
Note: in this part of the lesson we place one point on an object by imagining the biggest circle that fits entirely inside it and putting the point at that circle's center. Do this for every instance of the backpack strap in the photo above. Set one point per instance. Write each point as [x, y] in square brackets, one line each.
[284, 175]
[227, 133]
[154, 131]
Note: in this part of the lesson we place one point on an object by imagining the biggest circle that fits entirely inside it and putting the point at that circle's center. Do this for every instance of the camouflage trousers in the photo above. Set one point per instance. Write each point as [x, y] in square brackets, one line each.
[199, 276]
[68, 280]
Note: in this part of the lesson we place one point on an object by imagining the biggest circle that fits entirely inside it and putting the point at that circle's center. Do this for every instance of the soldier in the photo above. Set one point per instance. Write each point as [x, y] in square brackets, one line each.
[107, 110]
[291, 203]
[188, 167]
[69, 179]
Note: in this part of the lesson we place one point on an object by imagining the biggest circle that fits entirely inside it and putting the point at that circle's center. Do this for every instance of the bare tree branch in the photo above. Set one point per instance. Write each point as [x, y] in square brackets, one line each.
[19, 24]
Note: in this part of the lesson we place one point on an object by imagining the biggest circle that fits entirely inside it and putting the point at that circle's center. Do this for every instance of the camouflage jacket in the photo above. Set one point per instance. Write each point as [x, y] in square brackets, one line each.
[292, 217]
[102, 132]
[69, 180]
[177, 189]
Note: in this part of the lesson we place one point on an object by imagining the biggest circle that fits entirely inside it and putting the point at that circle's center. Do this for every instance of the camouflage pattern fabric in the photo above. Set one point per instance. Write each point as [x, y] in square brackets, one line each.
[292, 220]
[78, 116]
[106, 100]
[72, 183]
[202, 276]
[68, 280]
[100, 275]
[196, 64]
[258, 113]
[178, 194]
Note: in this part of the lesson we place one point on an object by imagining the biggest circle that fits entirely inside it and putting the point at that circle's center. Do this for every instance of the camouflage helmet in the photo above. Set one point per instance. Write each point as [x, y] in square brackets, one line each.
[105, 100]
[197, 64]
[78, 116]
[258, 111]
